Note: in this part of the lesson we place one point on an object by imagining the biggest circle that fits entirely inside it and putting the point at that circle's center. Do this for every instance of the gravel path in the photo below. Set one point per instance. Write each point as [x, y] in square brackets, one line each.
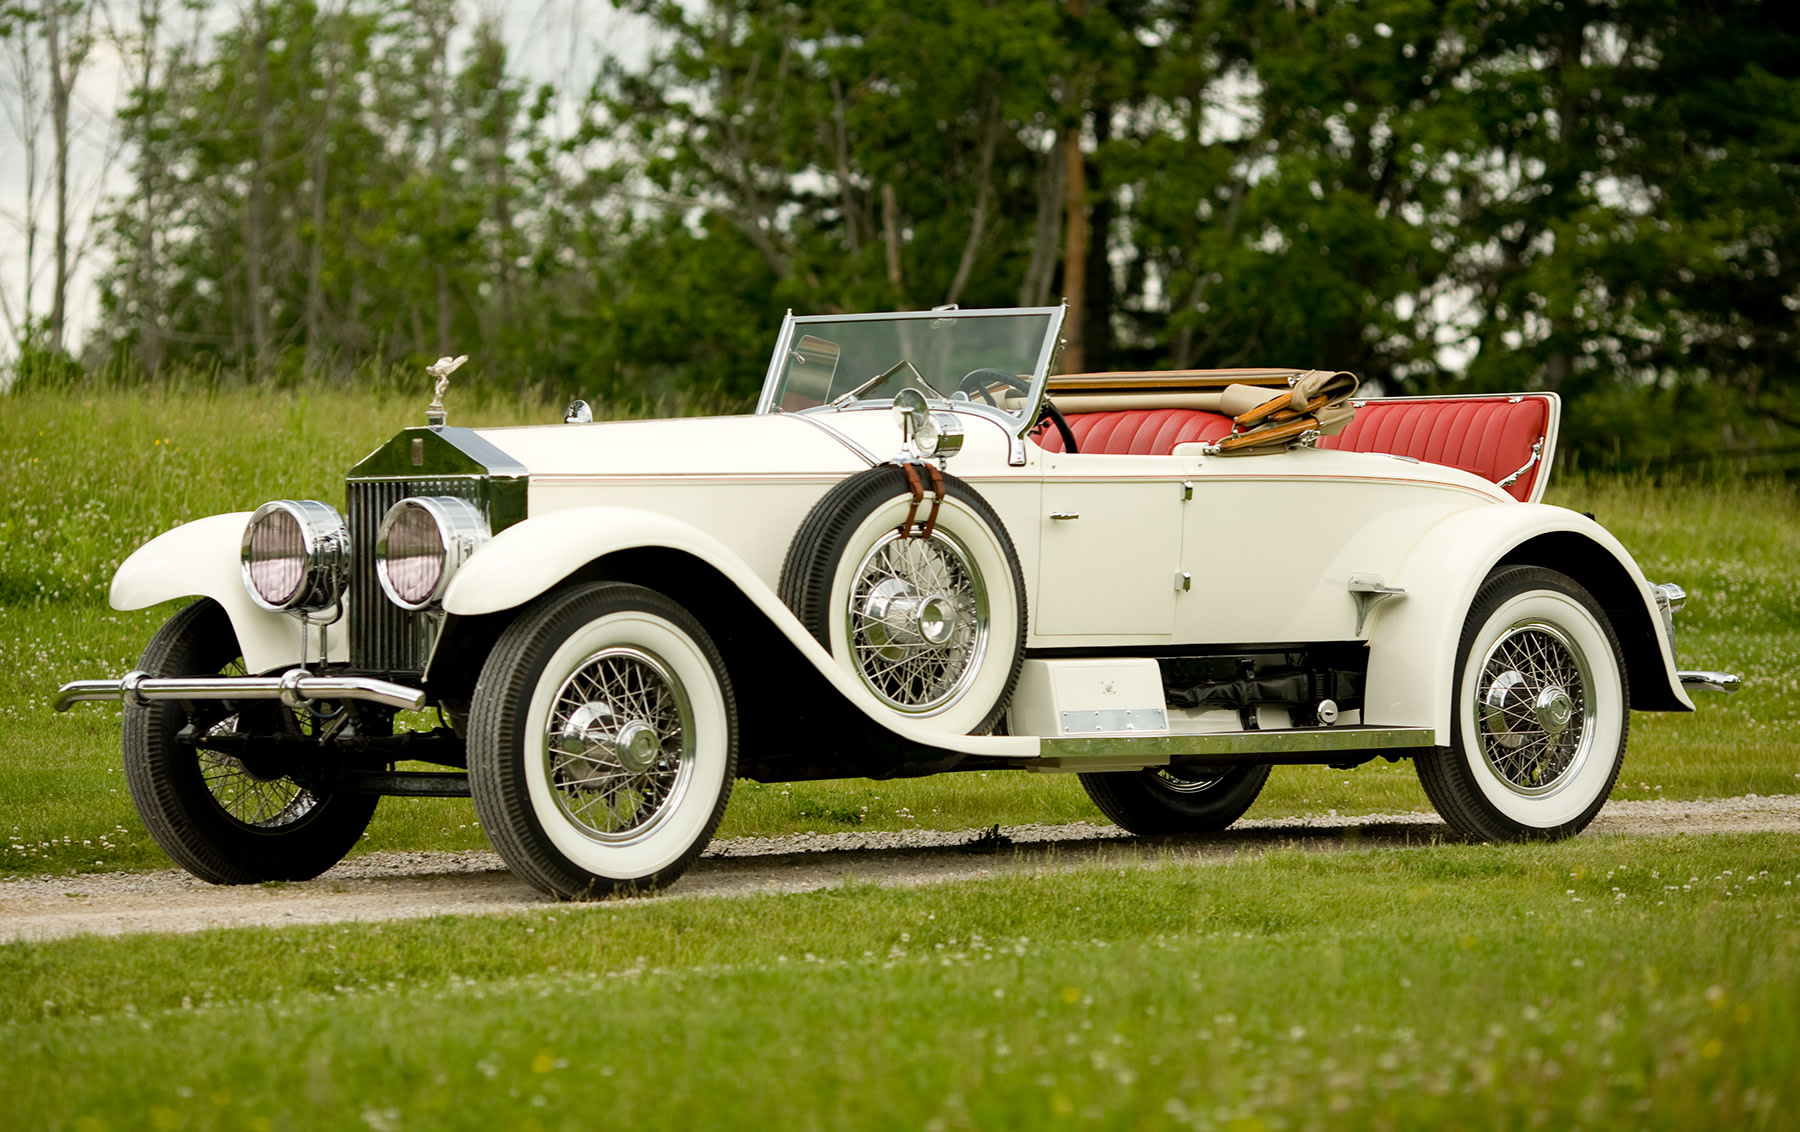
[395, 885]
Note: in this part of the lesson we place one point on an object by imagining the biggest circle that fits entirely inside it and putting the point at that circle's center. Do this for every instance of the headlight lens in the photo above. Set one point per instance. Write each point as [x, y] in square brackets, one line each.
[295, 556]
[421, 543]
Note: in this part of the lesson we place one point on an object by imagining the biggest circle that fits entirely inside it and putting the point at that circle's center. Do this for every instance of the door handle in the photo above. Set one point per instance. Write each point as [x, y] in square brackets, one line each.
[1065, 514]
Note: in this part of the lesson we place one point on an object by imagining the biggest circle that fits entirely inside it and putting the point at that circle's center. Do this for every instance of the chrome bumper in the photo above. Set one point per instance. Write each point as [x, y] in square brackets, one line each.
[1670, 598]
[1710, 681]
[295, 688]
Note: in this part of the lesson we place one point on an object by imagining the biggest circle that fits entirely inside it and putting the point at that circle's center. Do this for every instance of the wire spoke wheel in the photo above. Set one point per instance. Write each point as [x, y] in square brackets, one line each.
[245, 796]
[1535, 718]
[1176, 799]
[1183, 781]
[261, 802]
[917, 621]
[1539, 716]
[933, 625]
[602, 741]
[208, 780]
[617, 744]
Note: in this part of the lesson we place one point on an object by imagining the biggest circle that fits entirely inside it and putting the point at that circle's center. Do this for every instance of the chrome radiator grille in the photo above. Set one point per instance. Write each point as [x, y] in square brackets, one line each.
[384, 637]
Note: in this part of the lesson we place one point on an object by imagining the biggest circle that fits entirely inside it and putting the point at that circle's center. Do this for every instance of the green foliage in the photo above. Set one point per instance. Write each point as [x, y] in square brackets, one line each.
[1603, 200]
[42, 366]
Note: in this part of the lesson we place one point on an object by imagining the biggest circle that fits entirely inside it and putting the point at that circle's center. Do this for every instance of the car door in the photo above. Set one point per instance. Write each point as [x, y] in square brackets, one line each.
[1110, 548]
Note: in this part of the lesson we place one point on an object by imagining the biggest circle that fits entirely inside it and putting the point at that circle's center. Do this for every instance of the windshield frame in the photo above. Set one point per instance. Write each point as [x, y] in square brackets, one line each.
[1016, 426]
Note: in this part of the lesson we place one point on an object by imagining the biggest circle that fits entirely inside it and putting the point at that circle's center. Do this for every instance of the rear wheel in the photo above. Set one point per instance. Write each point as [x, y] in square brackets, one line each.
[1166, 800]
[1539, 715]
[228, 818]
[603, 741]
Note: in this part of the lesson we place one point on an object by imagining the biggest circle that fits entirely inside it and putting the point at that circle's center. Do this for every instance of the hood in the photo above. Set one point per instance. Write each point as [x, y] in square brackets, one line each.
[688, 446]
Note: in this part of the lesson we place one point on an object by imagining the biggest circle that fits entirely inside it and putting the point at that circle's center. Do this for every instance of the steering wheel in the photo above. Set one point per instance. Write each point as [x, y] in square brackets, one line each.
[977, 381]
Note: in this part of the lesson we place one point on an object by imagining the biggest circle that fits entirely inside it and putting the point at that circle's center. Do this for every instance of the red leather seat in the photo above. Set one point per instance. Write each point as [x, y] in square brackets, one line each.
[1489, 436]
[1138, 432]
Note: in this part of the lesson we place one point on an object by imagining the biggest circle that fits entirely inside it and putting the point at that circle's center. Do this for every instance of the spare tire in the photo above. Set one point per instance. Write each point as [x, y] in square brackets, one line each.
[931, 619]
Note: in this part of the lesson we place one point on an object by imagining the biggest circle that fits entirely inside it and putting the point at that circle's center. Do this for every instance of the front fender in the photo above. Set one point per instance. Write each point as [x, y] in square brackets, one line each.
[200, 559]
[1413, 640]
[529, 559]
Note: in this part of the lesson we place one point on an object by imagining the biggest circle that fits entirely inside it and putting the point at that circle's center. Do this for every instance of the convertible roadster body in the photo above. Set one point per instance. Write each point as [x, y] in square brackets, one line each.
[922, 553]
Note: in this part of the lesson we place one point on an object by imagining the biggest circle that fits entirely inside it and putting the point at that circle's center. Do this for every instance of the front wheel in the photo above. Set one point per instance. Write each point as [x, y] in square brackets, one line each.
[205, 777]
[602, 741]
[1539, 715]
[1167, 800]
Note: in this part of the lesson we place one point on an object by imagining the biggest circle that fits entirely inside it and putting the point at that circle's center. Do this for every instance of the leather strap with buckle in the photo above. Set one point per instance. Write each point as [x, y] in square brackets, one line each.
[929, 526]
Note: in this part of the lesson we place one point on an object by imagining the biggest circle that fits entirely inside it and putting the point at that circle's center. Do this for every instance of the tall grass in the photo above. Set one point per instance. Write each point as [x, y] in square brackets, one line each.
[91, 474]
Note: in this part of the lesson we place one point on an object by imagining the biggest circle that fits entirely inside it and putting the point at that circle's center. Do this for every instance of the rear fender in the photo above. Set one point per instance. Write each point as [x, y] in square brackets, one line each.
[200, 559]
[1413, 640]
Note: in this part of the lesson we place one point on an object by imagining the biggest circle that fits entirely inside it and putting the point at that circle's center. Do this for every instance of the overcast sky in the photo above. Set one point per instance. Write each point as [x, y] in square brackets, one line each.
[559, 41]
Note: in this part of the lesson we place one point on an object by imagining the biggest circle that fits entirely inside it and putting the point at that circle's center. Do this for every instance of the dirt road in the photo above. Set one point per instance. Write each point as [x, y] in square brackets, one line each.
[389, 886]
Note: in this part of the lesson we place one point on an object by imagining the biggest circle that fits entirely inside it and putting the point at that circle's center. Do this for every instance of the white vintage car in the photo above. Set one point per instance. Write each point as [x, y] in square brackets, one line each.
[922, 553]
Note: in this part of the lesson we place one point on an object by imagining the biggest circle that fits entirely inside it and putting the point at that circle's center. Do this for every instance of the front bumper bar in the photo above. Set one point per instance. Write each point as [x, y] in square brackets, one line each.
[1710, 681]
[295, 688]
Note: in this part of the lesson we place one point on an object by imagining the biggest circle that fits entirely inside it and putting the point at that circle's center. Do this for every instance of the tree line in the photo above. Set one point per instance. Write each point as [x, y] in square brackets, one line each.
[1599, 197]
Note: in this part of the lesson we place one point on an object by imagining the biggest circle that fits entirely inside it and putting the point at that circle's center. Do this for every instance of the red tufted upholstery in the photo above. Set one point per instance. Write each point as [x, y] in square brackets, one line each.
[1138, 432]
[1489, 436]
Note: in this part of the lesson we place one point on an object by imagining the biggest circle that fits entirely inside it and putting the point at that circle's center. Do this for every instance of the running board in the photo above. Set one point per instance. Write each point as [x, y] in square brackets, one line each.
[1135, 752]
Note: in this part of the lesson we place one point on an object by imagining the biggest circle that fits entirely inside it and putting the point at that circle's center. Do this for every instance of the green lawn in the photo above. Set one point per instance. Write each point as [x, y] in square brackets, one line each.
[90, 477]
[1598, 983]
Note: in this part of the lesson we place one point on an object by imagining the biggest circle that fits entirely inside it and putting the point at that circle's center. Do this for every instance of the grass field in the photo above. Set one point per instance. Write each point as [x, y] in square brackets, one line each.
[90, 477]
[1599, 983]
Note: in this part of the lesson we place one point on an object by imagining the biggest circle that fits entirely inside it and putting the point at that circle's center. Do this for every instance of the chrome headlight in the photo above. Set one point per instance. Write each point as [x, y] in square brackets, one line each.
[928, 433]
[296, 556]
[421, 544]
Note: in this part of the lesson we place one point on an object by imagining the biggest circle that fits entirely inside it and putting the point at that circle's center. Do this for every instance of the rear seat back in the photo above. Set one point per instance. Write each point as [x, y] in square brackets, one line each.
[1491, 436]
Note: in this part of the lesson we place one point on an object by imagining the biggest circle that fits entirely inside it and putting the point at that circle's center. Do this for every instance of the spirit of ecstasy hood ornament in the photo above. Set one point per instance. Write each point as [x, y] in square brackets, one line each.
[441, 369]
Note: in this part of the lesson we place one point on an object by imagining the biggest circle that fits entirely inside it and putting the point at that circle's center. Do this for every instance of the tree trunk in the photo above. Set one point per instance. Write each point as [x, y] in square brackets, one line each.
[319, 172]
[59, 126]
[1098, 292]
[890, 226]
[984, 195]
[31, 120]
[841, 135]
[437, 80]
[149, 297]
[256, 221]
[1034, 290]
[1075, 252]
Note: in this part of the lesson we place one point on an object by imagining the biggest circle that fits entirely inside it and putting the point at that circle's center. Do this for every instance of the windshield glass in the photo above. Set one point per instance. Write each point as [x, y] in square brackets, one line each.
[990, 357]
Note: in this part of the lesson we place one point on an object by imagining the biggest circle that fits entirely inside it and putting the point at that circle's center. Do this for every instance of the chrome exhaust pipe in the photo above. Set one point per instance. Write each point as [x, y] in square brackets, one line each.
[295, 688]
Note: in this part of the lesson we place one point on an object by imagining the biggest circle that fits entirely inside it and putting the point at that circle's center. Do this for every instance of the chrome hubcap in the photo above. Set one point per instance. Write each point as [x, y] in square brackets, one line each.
[1535, 722]
[618, 747]
[917, 621]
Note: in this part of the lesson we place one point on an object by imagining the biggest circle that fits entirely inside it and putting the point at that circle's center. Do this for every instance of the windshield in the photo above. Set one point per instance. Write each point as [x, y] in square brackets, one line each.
[993, 358]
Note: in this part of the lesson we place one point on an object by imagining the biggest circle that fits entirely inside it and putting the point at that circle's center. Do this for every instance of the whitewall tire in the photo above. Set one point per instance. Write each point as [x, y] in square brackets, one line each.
[932, 625]
[602, 741]
[1540, 714]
